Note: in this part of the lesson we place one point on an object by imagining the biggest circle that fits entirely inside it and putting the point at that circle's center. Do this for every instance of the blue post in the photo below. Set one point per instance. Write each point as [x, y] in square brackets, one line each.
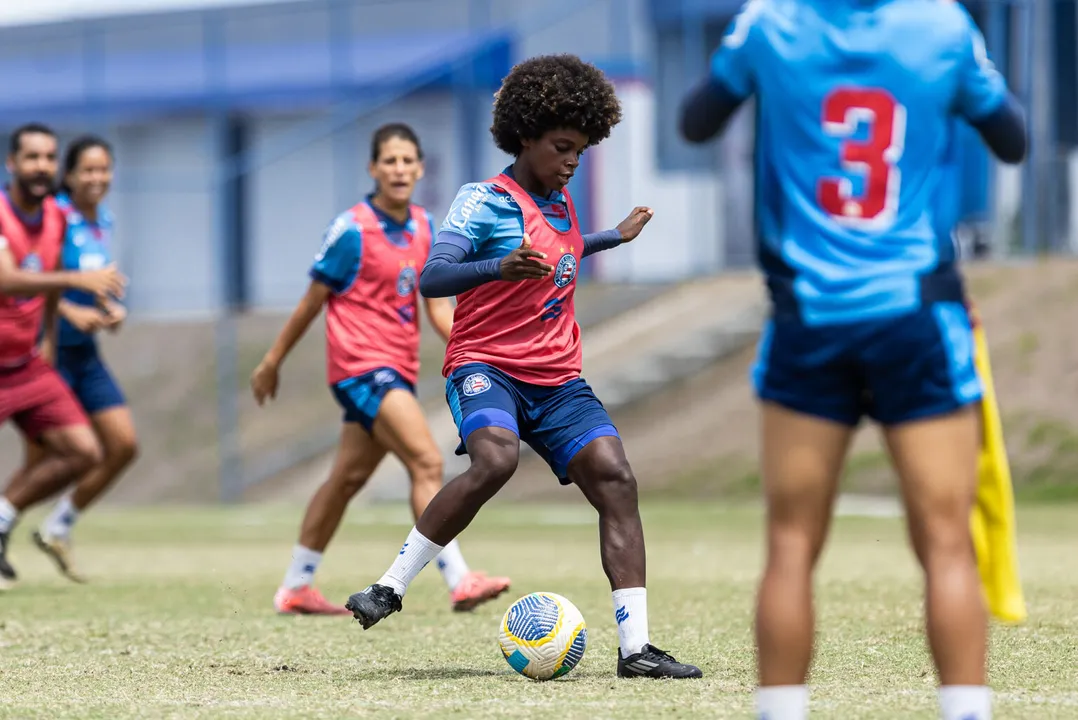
[694, 61]
[347, 156]
[219, 143]
[1024, 73]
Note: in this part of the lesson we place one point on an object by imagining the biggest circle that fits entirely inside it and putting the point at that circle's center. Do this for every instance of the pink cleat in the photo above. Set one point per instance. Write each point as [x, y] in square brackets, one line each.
[305, 601]
[475, 589]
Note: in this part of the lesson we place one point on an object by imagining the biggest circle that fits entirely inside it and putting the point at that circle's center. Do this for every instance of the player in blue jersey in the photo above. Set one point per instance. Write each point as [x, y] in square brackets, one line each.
[858, 102]
[87, 176]
[513, 359]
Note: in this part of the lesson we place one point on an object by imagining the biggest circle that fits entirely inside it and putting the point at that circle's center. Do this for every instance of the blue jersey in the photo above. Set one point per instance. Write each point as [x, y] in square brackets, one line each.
[858, 102]
[86, 247]
[338, 261]
[492, 222]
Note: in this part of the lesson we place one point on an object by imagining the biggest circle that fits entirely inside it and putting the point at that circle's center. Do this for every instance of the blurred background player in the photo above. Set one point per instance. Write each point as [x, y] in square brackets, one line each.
[32, 394]
[367, 272]
[87, 176]
[514, 357]
[858, 101]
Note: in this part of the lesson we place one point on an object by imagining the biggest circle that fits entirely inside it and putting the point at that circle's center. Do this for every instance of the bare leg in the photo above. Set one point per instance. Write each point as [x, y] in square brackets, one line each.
[116, 431]
[936, 461]
[801, 461]
[358, 456]
[69, 452]
[603, 474]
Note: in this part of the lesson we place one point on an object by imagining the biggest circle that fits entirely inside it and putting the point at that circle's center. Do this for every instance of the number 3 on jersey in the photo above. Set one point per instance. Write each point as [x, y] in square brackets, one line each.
[874, 159]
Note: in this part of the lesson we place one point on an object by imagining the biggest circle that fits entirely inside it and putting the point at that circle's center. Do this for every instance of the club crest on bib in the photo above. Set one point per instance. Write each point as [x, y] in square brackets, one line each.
[31, 263]
[565, 270]
[406, 281]
[475, 384]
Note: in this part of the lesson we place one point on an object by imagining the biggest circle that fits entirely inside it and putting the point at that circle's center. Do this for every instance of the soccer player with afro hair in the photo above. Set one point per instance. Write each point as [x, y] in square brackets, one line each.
[510, 250]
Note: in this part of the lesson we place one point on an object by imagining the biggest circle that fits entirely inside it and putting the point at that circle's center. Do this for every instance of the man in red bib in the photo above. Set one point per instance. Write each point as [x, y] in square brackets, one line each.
[510, 251]
[32, 394]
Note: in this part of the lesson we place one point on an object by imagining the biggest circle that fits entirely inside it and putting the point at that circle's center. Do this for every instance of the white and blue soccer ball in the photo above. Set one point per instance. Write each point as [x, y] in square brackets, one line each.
[543, 636]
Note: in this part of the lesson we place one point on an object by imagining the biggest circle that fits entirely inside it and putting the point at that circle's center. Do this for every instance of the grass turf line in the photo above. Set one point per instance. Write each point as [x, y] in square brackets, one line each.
[177, 622]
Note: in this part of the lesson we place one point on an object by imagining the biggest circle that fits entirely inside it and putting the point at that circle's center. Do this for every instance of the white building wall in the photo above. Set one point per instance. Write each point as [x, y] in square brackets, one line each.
[291, 201]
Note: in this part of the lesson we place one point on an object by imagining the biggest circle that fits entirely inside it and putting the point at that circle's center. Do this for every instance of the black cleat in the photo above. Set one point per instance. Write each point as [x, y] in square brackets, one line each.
[7, 573]
[651, 662]
[373, 604]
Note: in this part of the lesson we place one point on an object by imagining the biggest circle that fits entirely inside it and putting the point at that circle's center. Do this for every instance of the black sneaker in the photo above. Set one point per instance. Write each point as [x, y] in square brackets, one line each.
[371, 605]
[7, 573]
[651, 662]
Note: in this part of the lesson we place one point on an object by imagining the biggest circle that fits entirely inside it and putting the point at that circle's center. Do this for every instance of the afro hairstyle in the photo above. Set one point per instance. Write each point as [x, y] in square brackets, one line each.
[549, 92]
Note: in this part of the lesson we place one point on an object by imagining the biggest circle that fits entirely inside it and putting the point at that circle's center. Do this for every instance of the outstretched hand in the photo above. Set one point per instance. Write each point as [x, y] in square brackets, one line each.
[264, 381]
[631, 226]
[521, 264]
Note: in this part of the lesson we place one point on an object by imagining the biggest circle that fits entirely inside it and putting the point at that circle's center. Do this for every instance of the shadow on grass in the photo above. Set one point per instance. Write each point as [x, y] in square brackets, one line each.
[429, 673]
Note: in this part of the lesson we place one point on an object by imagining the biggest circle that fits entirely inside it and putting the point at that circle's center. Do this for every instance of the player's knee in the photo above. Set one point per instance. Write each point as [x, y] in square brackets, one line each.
[493, 469]
[615, 481]
[793, 547]
[427, 468]
[945, 543]
[85, 452]
[122, 451]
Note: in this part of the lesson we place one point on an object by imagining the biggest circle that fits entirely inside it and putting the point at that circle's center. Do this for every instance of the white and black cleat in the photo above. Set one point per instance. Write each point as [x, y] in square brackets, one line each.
[651, 662]
[373, 604]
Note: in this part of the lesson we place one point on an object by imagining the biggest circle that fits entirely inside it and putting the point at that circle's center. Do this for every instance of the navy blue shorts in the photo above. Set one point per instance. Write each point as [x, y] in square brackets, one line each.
[557, 422]
[89, 378]
[361, 396]
[892, 370]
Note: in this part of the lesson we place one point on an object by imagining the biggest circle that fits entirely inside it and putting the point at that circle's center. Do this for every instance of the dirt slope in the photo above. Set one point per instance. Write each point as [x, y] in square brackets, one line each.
[700, 438]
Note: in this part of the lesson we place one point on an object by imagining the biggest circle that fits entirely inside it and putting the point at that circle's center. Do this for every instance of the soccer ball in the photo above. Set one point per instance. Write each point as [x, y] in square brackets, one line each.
[543, 636]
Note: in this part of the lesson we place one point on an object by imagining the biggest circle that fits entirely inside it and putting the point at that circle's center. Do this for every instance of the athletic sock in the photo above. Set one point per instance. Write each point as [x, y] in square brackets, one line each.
[414, 555]
[966, 702]
[782, 702]
[301, 572]
[451, 564]
[631, 614]
[62, 518]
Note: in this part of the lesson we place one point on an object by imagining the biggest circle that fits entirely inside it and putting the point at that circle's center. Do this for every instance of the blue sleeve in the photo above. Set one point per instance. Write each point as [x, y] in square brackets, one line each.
[706, 110]
[732, 63]
[446, 273]
[1004, 131]
[473, 215]
[981, 88]
[337, 263]
[597, 242]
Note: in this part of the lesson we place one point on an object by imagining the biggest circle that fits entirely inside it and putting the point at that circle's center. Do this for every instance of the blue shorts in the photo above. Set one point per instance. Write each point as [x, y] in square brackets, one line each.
[85, 373]
[557, 422]
[892, 370]
[361, 396]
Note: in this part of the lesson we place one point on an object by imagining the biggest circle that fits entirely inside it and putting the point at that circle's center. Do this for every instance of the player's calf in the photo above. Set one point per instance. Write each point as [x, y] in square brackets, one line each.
[494, 453]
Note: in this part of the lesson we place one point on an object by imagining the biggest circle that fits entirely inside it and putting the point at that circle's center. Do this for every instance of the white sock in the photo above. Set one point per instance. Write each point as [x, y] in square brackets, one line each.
[416, 552]
[451, 564]
[966, 702]
[782, 702]
[8, 515]
[631, 614]
[304, 565]
[62, 518]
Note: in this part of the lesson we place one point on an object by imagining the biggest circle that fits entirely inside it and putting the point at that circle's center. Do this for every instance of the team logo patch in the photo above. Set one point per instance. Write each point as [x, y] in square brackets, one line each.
[476, 384]
[406, 281]
[565, 271]
[383, 377]
[32, 263]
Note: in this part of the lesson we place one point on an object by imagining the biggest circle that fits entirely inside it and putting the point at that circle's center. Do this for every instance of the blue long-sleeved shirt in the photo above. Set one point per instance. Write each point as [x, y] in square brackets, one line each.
[484, 225]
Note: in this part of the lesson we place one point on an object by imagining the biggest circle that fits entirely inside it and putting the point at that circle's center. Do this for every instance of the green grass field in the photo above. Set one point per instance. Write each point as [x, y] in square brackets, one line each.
[177, 622]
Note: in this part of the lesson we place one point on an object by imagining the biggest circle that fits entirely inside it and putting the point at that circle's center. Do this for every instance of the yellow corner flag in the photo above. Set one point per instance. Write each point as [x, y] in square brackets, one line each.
[993, 522]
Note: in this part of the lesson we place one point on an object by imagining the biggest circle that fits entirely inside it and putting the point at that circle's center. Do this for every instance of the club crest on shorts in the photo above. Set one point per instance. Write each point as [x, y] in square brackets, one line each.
[475, 384]
[406, 282]
[565, 271]
[383, 377]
